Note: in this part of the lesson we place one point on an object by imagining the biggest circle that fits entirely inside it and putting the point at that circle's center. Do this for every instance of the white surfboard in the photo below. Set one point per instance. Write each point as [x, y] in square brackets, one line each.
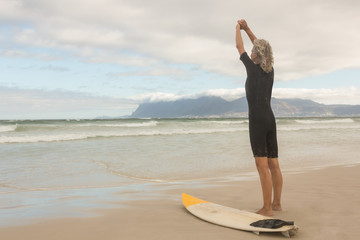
[230, 217]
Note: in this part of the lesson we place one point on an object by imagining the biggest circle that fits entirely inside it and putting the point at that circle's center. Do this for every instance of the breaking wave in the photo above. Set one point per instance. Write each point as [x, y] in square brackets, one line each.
[320, 121]
[82, 136]
[8, 128]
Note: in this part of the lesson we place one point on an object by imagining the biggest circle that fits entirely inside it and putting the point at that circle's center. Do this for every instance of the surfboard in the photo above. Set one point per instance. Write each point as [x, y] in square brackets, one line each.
[230, 217]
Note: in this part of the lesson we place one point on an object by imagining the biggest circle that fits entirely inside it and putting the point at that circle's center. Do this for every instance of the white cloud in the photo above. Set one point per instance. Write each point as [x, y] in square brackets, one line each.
[308, 37]
[228, 94]
[159, 71]
[54, 68]
[157, 97]
[350, 95]
[26, 54]
[39, 104]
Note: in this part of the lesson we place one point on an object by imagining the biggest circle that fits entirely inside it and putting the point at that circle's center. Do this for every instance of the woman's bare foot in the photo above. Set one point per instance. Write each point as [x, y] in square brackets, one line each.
[276, 207]
[265, 212]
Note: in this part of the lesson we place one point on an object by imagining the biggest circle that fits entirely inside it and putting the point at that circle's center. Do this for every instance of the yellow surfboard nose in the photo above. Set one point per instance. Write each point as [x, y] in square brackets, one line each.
[190, 200]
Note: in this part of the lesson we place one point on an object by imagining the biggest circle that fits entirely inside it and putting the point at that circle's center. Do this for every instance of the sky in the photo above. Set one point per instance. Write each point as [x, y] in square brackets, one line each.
[91, 58]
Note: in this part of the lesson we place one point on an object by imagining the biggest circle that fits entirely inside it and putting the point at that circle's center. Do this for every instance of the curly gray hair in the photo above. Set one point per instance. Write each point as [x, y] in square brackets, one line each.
[264, 51]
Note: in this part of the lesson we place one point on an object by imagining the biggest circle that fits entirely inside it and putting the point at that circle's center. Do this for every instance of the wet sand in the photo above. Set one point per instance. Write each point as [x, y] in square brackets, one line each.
[323, 203]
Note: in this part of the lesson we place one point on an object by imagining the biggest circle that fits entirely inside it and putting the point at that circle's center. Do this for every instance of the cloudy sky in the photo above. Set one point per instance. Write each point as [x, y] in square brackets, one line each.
[89, 58]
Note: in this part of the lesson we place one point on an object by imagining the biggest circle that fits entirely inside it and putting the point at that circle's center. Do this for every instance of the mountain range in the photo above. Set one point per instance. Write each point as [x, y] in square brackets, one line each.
[211, 106]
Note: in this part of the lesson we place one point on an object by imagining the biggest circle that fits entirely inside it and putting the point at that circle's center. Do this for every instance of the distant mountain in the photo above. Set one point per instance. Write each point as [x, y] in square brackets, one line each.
[218, 107]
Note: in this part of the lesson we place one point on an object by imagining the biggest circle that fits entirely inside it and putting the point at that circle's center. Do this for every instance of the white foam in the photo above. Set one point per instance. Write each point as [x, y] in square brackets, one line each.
[320, 121]
[119, 125]
[84, 135]
[8, 128]
[229, 122]
[41, 138]
[314, 127]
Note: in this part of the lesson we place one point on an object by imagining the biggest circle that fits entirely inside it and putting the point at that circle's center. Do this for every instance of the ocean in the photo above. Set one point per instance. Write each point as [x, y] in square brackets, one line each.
[52, 168]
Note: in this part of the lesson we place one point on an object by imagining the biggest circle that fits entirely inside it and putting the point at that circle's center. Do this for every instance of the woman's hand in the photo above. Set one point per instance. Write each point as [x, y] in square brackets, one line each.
[245, 27]
[243, 24]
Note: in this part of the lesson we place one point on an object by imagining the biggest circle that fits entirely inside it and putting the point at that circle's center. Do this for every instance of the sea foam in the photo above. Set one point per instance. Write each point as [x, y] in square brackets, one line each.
[8, 128]
[322, 121]
[89, 135]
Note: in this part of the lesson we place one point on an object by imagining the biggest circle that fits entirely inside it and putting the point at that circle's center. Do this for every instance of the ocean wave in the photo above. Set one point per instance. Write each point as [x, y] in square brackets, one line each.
[83, 136]
[229, 122]
[314, 127]
[119, 125]
[346, 120]
[42, 138]
[52, 127]
[8, 128]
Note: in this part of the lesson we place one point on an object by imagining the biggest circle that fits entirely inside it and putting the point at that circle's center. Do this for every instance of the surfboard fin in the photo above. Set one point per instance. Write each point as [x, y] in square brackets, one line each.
[271, 223]
[286, 234]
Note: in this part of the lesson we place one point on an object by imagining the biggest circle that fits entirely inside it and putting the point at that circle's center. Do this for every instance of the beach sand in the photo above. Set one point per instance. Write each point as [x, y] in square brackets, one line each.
[324, 203]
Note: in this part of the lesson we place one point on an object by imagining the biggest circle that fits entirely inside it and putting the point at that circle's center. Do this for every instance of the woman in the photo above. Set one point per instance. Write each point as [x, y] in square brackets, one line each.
[262, 126]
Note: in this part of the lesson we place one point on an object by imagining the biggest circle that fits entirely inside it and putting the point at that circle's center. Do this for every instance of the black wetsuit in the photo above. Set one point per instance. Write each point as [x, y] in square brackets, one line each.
[262, 125]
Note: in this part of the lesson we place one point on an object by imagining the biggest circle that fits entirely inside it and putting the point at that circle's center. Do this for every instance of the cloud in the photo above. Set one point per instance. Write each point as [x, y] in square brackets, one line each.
[176, 73]
[18, 103]
[54, 68]
[228, 94]
[28, 54]
[157, 97]
[349, 95]
[308, 37]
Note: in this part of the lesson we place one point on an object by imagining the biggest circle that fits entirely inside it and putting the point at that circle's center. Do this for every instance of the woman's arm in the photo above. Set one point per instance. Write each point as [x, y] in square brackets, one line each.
[243, 25]
[239, 40]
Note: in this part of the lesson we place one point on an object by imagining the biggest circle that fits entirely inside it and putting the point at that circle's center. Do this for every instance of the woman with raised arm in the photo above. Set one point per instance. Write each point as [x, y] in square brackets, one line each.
[262, 125]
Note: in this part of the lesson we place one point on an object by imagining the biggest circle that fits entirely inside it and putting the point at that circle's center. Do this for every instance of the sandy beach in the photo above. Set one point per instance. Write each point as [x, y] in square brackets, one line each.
[324, 203]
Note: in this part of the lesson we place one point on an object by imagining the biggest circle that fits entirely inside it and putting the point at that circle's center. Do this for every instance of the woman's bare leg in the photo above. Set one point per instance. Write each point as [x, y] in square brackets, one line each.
[277, 182]
[266, 185]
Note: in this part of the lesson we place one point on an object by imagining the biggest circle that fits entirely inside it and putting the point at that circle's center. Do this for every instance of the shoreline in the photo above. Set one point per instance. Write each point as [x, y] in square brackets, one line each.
[322, 202]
